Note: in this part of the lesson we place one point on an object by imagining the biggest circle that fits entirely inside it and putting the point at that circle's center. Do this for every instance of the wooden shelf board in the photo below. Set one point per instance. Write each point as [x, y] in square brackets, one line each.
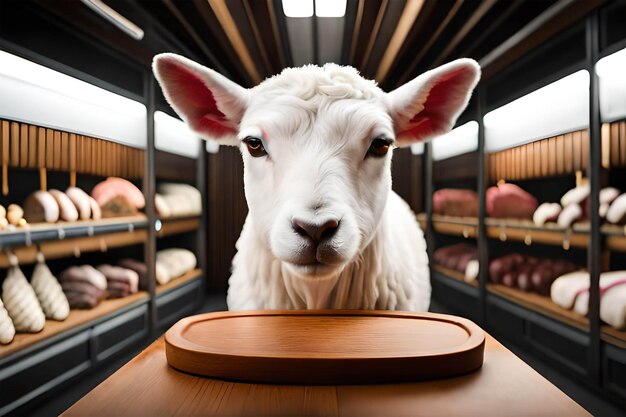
[456, 226]
[540, 304]
[75, 319]
[615, 237]
[613, 336]
[172, 226]
[451, 273]
[67, 247]
[550, 234]
[177, 282]
[545, 306]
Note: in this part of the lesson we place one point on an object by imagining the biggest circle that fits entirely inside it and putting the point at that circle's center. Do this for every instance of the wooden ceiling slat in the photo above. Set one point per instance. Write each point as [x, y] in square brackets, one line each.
[279, 27]
[228, 24]
[561, 15]
[257, 36]
[513, 7]
[409, 73]
[374, 33]
[408, 18]
[357, 27]
[478, 14]
[189, 29]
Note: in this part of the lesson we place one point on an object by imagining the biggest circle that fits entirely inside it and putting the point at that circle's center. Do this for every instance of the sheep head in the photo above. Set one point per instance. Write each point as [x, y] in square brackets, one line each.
[316, 144]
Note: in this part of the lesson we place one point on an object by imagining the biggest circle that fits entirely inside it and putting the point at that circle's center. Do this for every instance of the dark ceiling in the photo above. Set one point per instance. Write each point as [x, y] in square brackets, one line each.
[389, 40]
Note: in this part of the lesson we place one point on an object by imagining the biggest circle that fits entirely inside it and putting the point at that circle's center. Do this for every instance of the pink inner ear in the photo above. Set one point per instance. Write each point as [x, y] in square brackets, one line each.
[440, 106]
[195, 100]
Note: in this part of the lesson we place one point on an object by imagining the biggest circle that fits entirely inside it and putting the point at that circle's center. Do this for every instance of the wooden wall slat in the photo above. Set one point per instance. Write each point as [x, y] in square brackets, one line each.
[559, 150]
[57, 151]
[65, 151]
[15, 145]
[584, 149]
[622, 143]
[614, 145]
[23, 145]
[49, 148]
[32, 146]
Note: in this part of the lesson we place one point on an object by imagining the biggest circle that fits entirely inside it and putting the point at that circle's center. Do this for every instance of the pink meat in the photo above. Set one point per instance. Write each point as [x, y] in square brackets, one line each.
[455, 202]
[113, 187]
[510, 201]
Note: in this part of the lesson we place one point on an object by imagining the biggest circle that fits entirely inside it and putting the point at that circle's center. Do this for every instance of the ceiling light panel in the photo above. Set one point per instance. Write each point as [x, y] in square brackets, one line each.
[36, 94]
[298, 8]
[611, 70]
[557, 108]
[330, 8]
[458, 141]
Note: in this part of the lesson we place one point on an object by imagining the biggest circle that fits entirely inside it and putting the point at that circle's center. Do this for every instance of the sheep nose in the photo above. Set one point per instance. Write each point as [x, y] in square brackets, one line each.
[316, 230]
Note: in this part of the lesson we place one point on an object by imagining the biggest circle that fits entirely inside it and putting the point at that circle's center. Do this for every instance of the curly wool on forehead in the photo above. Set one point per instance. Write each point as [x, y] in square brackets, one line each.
[331, 81]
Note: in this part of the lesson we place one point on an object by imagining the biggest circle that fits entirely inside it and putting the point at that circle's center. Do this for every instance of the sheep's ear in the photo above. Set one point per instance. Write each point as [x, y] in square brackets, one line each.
[210, 103]
[429, 105]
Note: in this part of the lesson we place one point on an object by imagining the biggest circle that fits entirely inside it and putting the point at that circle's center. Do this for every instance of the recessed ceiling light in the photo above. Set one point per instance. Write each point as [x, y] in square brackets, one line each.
[298, 8]
[330, 8]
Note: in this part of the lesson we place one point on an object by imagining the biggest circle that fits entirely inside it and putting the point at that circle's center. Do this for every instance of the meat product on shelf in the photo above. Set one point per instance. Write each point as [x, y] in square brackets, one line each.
[455, 202]
[7, 330]
[121, 282]
[616, 213]
[576, 195]
[115, 188]
[524, 281]
[49, 292]
[546, 212]
[180, 199]
[15, 215]
[81, 202]
[500, 266]
[161, 206]
[84, 286]
[4, 223]
[508, 201]
[67, 209]
[173, 263]
[118, 206]
[21, 302]
[569, 215]
[96, 211]
[571, 291]
[41, 207]
[450, 256]
[140, 268]
[528, 273]
[471, 270]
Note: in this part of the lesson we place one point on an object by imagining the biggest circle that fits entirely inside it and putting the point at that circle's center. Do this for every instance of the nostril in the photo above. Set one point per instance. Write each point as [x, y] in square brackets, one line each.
[317, 231]
[328, 229]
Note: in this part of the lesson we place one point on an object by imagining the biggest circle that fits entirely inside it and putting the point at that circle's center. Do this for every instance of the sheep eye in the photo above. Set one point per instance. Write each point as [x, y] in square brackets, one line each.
[255, 147]
[379, 147]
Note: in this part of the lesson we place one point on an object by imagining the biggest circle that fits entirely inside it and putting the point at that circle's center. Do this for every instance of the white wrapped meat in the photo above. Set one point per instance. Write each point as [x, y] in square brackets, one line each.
[21, 302]
[172, 263]
[7, 331]
[49, 292]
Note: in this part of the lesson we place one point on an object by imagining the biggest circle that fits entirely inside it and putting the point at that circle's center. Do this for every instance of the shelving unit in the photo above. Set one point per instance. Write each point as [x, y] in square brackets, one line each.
[172, 226]
[582, 347]
[36, 366]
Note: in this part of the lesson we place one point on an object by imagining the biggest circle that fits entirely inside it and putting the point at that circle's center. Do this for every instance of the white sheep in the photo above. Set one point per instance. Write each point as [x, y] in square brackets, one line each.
[324, 229]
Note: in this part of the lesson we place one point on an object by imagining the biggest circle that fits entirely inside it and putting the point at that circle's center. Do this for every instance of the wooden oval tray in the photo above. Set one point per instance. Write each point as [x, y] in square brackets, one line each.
[325, 347]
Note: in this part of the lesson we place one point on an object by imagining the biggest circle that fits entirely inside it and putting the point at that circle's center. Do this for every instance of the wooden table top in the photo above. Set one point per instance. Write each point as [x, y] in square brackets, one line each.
[505, 385]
